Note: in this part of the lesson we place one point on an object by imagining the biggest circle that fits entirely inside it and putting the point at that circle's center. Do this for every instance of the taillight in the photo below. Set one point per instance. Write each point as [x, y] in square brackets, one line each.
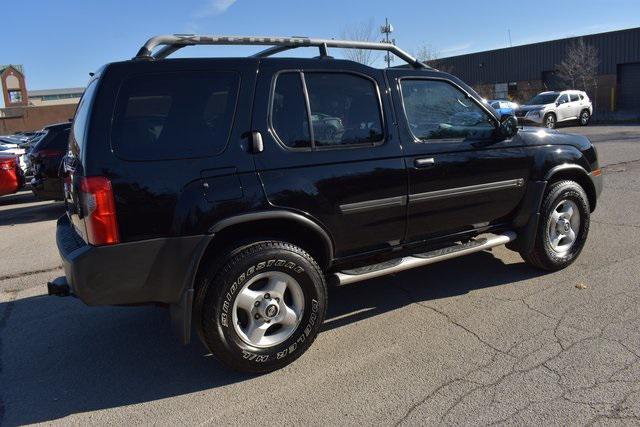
[99, 211]
[8, 165]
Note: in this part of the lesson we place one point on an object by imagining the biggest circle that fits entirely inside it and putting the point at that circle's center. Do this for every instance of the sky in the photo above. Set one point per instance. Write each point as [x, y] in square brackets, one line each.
[59, 42]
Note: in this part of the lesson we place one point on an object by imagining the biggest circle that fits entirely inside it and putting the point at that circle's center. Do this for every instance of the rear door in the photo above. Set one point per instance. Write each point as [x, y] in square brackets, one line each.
[575, 103]
[330, 151]
[461, 177]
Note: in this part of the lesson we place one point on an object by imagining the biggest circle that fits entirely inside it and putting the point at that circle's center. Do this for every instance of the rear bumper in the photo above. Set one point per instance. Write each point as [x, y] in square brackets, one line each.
[47, 188]
[156, 270]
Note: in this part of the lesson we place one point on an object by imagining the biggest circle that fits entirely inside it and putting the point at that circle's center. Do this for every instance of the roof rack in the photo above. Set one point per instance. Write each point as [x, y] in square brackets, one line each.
[174, 42]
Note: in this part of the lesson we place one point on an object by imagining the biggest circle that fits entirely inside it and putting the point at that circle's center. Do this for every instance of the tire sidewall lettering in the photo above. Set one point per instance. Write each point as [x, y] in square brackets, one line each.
[301, 334]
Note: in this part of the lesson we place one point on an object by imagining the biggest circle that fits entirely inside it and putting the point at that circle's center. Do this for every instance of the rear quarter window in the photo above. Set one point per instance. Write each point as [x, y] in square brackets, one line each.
[174, 115]
[80, 121]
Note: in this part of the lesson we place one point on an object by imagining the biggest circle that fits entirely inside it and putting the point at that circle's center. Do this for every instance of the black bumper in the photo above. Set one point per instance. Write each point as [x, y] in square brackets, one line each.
[157, 270]
[598, 183]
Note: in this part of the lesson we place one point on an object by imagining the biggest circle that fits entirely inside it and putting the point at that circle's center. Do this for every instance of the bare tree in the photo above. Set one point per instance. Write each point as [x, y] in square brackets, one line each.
[426, 53]
[579, 68]
[429, 55]
[362, 31]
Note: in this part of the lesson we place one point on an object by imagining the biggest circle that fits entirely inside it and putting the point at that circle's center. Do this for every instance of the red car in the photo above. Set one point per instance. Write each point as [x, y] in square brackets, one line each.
[11, 176]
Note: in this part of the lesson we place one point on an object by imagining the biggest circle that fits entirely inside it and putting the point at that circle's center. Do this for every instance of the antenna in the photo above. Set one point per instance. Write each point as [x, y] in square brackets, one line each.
[509, 32]
[387, 29]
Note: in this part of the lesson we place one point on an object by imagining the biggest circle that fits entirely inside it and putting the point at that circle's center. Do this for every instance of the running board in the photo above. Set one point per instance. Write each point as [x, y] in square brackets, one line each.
[419, 260]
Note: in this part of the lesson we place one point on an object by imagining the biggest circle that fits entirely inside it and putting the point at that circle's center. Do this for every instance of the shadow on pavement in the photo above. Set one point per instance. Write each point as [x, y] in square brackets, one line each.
[17, 198]
[60, 357]
[30, 214]
[361, 300]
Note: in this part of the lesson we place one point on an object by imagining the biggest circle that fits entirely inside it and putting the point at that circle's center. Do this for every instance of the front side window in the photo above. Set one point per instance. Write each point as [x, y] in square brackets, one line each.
[174, 115]
[563, 99]
[439, 110]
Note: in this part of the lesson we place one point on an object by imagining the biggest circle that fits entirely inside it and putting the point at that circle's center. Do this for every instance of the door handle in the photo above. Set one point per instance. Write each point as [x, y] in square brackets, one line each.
[424, 162]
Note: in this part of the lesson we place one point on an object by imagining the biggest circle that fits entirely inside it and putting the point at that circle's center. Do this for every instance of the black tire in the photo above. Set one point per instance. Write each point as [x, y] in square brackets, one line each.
[543, 255]
[584, 118]
[550, 121]
[221, 283]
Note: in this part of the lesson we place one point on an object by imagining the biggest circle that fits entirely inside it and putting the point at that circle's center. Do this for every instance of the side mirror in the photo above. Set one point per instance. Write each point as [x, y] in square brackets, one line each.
[508, 126]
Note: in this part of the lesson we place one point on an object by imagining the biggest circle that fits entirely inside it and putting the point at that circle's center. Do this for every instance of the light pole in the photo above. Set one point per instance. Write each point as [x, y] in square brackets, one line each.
[387, 29]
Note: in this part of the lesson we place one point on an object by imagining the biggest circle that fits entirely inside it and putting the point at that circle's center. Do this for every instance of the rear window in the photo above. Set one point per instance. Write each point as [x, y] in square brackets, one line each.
[57, 141]
[174, 115]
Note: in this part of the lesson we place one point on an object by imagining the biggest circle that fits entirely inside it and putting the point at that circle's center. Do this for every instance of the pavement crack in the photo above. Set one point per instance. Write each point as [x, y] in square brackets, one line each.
[29, 273]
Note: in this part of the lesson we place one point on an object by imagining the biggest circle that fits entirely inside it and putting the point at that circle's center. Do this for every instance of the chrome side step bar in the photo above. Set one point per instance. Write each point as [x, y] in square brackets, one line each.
[419, 260]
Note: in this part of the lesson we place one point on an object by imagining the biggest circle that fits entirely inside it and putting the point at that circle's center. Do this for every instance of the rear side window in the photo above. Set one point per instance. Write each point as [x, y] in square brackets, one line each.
[174, 115]
[574, 97]
[344, 110]
[289, 116]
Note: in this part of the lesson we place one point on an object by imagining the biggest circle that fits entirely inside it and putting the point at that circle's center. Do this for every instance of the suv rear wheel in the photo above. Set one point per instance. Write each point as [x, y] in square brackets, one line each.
[550, 121]
[263, 307]
[563, 227]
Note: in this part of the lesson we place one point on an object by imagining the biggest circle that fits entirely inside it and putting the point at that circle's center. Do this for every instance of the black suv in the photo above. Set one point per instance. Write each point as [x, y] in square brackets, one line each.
[234, 190]
[45, 158]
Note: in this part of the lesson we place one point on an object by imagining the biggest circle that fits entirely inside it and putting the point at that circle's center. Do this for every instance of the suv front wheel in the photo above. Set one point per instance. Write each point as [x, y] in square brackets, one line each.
[550, 121]
[262, 307]
[563, 227]
[584, 117]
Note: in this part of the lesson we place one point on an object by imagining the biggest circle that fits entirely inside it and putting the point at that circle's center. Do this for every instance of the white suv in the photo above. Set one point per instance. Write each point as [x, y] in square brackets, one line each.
[550, 108]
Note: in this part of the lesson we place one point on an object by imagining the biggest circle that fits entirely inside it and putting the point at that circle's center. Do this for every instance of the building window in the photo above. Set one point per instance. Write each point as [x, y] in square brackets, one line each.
[15, 96]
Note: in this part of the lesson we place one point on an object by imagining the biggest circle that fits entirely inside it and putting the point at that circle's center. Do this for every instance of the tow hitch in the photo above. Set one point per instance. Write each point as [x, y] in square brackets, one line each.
[59, 287]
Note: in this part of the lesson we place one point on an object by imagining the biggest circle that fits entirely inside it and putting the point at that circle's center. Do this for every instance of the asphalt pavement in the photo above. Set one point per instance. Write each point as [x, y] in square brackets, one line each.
[482, 339]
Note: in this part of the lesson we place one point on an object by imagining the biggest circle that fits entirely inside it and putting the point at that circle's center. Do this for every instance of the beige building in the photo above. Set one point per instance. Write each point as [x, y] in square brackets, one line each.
[55, 96]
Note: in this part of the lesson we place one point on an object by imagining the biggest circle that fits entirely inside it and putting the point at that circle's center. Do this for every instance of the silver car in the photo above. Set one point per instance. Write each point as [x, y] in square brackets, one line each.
[550, 108]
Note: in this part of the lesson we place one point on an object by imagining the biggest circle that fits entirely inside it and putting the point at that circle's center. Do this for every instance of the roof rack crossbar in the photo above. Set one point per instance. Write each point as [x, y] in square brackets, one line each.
[172, 43]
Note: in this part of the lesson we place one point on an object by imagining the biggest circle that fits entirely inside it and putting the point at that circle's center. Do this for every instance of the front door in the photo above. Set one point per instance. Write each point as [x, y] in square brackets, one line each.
[563, 109]
[330, 153]
[461, 175]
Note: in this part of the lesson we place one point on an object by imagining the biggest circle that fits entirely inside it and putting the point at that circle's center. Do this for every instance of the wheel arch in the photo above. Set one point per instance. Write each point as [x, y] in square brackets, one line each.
[575, 173]
[289, 226]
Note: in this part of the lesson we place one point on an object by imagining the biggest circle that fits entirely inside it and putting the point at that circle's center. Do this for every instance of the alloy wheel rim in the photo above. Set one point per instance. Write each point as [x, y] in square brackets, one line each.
[564, 225]
[585, 117]
[550, 121]
[268, 309]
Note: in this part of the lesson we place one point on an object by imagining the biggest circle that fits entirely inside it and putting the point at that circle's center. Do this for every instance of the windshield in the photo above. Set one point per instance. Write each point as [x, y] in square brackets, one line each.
[543, 98]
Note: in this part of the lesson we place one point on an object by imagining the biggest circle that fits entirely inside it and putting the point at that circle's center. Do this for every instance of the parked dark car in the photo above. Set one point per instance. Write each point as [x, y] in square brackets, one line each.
[202, 184]
[45, 161]
[11, 175]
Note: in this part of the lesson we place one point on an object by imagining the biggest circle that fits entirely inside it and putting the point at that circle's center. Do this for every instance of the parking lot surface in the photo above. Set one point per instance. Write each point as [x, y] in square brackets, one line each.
[477, 340]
